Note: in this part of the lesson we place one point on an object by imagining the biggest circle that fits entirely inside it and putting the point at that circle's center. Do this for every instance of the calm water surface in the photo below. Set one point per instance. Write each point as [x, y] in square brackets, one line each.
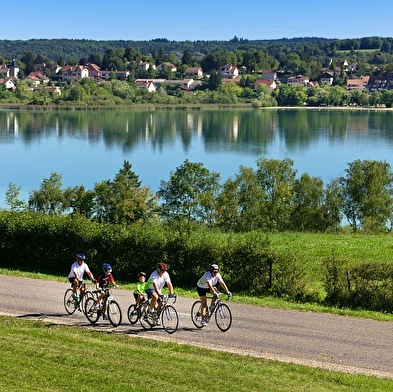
[88, 147]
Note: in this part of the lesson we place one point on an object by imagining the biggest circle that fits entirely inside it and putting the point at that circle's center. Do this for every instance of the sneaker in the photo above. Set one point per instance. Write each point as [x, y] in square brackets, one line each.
[203, 323]
[158, 322]
[96, 306]
[74, 296]
[152, 311]
[105, 317]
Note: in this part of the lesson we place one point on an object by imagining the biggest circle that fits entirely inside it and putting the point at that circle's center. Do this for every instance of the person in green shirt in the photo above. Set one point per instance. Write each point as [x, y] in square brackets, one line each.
[139, 292]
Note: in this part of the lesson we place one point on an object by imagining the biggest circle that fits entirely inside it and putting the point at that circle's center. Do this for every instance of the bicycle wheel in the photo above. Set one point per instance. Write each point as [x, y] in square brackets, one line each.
[196, 315]
[223, 317]
[86, 295]
[133, 314]
[69, 302]
[91, 312]
[144, 318]
[114, 313]
[169, 319]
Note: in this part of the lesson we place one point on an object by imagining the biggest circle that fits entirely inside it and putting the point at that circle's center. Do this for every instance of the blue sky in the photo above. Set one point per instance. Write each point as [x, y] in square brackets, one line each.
[198, 20]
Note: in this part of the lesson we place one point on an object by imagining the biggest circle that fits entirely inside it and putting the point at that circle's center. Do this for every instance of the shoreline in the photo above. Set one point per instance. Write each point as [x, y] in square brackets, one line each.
[181, 107]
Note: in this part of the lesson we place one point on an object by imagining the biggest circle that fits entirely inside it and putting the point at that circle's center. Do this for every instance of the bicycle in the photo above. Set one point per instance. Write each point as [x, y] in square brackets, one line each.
[134, 312]
[221, 312]
[166, 315]
[72, 303]
[108, 308]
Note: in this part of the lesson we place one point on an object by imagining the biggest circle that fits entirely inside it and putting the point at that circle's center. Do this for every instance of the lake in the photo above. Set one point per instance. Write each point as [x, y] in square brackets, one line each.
[87, 147]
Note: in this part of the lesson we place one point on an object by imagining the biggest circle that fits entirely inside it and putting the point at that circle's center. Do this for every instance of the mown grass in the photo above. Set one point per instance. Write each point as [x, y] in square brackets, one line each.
[38, 356]
[314, 249]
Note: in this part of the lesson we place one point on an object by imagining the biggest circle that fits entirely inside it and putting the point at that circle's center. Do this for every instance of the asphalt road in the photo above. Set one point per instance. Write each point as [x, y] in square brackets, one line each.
[331, 342]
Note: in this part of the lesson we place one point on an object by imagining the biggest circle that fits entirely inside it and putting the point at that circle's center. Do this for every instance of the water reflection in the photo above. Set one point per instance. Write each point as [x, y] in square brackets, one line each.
[321, 142]
[242, 130]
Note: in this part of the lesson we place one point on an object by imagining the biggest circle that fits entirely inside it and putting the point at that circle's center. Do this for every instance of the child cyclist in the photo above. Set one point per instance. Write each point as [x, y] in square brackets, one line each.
[103, 281]
[139, 292]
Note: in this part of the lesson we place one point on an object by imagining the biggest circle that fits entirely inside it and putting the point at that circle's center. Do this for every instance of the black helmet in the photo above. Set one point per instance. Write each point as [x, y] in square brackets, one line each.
[141, 274]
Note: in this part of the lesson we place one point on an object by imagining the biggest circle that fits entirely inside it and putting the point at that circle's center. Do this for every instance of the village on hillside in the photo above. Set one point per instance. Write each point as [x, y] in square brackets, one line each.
[52, 77]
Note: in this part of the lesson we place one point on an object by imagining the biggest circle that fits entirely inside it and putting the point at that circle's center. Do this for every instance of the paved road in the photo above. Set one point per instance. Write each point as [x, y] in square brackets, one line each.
[327, 341]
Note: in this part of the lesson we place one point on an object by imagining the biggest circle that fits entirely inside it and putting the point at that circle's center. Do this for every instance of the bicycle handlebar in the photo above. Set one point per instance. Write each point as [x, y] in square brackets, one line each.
[217, 295]
[165, 298]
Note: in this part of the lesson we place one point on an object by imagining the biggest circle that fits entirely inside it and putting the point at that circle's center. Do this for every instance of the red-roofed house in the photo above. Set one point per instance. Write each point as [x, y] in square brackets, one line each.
[229, 71]
[269, 83]
[74, 72]
[297, 80]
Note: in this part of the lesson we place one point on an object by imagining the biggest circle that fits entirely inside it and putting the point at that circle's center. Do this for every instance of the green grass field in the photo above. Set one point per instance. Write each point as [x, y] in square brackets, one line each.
[38, 356]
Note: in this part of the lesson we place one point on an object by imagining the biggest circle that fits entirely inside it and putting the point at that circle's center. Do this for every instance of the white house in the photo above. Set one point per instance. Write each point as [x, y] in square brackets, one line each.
[146, 84]
[269, 74]
[229, 71]
[269, 83]
[298, 80]
[166, 65]
[327, 77]
[195, 72]
[74, 72]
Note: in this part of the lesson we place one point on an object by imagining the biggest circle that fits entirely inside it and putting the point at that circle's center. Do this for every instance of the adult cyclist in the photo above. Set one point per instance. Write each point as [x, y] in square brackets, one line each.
[206, 284]
[77, 272]
[159, 278]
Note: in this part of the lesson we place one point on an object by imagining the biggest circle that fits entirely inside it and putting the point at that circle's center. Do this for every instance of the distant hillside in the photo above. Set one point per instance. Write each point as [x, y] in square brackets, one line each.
[53, 49]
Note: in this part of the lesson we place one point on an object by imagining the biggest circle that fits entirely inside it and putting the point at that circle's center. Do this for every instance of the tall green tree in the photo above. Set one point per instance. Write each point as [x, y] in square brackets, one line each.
[187, 57]
[277, 180]
[215, 80]
[367, 194]
[50, 198]
[123, 200]
[308, 204]
[333, 207]
[190, 194]
[239, 202]
[12, 198]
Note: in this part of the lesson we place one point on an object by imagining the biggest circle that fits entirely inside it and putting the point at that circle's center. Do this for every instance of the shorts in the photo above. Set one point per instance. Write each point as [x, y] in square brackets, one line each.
[149, 292]
[71, 280]
[202, 291]
[136, 296]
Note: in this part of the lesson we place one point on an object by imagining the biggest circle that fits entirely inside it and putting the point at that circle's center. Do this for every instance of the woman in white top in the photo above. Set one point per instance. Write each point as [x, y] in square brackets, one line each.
[206, 284]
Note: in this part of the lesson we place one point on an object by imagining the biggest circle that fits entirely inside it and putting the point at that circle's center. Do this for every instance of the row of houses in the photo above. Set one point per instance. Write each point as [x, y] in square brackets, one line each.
[193, 75]
[358, 83]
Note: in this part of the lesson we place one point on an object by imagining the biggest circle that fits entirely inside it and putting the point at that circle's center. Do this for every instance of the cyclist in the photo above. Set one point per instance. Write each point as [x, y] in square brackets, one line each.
[139, 292]
[103, 282]
[159, 278]
[78, 270]
[206, 284]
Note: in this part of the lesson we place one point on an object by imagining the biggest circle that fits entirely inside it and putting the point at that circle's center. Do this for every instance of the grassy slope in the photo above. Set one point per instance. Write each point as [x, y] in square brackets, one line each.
[39, 356]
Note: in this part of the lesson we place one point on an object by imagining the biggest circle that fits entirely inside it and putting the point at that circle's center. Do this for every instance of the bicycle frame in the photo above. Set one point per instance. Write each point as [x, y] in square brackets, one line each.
[71, 304]
[220, 310]
[109, 307]
[166, 315]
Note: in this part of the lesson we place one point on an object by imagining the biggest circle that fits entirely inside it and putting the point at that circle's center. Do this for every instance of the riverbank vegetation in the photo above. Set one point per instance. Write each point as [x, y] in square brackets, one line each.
[243, 226]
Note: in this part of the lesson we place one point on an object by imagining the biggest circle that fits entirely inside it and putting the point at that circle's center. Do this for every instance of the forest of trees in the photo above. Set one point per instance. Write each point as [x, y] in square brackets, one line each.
[308, 48]
[271, 198]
